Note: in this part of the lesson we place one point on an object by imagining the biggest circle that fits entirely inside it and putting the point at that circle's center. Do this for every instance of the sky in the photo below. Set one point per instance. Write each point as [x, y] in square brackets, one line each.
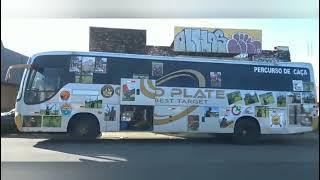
[33, 35]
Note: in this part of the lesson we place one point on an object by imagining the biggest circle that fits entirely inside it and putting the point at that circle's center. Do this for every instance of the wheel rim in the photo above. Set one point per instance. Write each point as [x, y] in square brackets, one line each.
[244, 132]
[83, 131]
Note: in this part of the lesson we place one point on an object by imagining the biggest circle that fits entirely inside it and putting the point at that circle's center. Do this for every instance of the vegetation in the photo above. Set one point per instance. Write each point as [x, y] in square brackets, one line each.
[266, 98]
[93, 104]
[281, 100]
[261, 111]
[250, 99]
[234, 97]
[51, 121]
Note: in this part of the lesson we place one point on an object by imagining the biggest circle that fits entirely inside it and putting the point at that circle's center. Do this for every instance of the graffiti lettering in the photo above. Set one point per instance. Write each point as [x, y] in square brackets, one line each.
[243, 43]
[199, 40]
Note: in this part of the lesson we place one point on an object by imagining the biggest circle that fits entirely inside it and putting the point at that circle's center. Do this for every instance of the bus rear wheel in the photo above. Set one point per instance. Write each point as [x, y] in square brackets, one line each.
[246, 131]
[83, 127]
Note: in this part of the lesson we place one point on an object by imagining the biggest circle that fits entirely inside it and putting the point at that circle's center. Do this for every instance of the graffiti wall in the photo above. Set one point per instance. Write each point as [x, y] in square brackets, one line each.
[217, 40]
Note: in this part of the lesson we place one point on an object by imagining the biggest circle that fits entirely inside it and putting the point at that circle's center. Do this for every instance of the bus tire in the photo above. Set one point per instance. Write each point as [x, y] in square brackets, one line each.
[246, 131]
[84, 126]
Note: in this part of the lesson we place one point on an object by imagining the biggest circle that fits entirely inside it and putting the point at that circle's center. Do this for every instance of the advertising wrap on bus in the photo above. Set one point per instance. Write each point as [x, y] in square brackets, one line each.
[122, 92]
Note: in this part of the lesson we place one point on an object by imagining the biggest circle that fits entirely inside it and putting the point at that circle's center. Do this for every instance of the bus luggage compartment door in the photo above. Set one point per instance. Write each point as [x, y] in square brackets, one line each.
[137, 92]
[112, 117]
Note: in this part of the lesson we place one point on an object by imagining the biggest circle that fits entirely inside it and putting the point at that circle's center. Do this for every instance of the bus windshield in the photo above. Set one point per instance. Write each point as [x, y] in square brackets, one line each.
[45, 78]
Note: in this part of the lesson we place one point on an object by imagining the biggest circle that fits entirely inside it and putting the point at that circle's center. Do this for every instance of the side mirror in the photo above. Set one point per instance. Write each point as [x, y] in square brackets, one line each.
[16, 66]
[8, 74]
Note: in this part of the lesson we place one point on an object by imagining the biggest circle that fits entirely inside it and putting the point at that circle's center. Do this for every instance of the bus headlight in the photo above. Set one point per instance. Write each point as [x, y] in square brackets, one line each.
[18, 121]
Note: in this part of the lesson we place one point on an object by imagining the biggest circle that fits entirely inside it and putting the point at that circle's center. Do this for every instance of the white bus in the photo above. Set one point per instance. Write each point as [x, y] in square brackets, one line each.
[86, 93]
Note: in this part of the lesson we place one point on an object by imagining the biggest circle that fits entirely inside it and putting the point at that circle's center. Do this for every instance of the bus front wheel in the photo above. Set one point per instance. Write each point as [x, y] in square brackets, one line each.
[246, 131]
[83, 127]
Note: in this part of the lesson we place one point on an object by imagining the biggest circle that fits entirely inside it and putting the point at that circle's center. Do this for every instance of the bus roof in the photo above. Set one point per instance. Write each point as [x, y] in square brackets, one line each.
[172, 58]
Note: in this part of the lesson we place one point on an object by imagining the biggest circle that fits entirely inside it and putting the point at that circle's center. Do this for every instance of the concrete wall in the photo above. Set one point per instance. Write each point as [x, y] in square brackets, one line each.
[225, 43]
[117, 40]
[9, 89]
[8, 58]
[8, 96]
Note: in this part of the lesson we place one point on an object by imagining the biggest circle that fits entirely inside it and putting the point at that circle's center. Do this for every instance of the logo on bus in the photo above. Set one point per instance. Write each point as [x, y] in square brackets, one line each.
[66, 109]
[64, 95]
[107, 91]
[236, 110]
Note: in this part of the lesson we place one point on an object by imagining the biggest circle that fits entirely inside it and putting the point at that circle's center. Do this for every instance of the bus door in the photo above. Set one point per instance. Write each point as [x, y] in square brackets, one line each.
[137, 92]
[111, 117]
[137, 100]
[204, 119]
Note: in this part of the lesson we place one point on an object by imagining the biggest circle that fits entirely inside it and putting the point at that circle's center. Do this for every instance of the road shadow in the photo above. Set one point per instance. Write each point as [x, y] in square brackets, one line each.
[37, 135]
[296, 139]
[123, 150]
[306, 138]
[113, 149]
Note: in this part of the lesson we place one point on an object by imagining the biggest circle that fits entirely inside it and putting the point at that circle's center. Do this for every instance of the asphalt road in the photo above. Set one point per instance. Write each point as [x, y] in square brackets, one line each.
[27, 157]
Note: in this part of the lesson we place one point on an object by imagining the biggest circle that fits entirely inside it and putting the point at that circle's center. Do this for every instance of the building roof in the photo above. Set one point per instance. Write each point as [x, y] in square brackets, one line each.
[8, 58]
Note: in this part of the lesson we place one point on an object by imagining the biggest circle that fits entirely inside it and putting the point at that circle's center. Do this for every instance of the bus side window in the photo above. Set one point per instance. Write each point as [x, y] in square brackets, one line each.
[68, 77]
[100, 78]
